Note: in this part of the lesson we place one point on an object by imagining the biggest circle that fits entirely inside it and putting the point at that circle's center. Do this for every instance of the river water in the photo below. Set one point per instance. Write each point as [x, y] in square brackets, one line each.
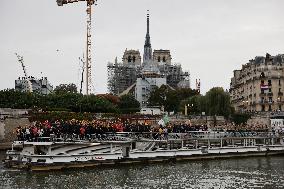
[256, 172]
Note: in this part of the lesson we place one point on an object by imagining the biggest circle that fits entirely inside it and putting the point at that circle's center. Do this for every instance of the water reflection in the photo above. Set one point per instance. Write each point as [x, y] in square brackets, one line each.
[262, 172]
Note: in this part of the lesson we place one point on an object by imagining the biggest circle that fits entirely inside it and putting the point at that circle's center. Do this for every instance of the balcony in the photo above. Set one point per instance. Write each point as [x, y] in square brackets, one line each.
[262, 94]
[280, 94]
[270, 94]
[280, 102]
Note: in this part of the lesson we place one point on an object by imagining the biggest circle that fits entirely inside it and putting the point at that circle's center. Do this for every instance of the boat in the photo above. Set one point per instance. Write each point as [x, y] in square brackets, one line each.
[50, 153]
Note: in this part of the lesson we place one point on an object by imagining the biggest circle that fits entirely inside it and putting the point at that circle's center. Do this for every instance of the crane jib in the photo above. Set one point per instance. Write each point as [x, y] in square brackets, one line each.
[62, 2]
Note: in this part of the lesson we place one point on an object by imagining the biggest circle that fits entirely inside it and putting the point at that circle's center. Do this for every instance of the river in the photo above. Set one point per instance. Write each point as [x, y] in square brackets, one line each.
[255, 172]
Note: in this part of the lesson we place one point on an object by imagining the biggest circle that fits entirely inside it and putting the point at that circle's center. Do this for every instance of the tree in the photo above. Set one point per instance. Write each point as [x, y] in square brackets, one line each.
[66, 88]
[57, 101]
[240, 118]
[112, 98]
[196, 104]
[218, 102]
[170, 98]
[158, 96]
[215, 102]
[128, 104]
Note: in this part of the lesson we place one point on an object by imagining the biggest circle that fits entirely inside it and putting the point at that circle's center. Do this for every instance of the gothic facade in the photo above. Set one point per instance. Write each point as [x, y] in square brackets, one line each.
[139, 75]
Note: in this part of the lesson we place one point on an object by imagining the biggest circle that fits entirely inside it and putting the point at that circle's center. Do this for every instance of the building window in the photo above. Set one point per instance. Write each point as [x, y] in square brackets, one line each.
[134, 58]
[262, 91]
[279, 82]
[262, 82]
[279, 90]
[129, 58]
[270, 99]
[269, 109]
[269, 82]
[164, 59]
[280, 108]
[262, 75]
[263, 108]
[159, 59]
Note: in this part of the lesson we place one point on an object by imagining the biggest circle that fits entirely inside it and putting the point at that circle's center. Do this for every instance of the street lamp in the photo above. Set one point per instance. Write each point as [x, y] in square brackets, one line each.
[186, 107]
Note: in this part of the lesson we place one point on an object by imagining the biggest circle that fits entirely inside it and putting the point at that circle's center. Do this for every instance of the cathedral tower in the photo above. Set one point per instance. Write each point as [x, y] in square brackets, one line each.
[147, 57]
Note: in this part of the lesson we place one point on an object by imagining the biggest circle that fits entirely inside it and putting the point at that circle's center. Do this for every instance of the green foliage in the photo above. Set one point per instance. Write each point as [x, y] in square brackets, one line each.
[128, 104]
[158, 96]
[15, 99]
[240, 118]
[67, 101]
[60, 115]
[169, 98]
[195, 104]
[218, 102]
[65, 88]
[215, 102]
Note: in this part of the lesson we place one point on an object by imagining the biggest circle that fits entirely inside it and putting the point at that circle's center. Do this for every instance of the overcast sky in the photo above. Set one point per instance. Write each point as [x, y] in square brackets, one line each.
[209, 38]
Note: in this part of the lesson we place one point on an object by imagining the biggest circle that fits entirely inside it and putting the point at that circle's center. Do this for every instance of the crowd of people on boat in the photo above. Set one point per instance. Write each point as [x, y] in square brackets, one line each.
[99, 129]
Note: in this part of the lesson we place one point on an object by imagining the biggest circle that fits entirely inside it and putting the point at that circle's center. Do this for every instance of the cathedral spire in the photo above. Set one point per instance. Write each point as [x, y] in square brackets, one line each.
[147, 47]
[148, 28]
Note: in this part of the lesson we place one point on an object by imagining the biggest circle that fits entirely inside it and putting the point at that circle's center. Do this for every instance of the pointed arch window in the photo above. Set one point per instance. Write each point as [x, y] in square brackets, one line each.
[164, 59]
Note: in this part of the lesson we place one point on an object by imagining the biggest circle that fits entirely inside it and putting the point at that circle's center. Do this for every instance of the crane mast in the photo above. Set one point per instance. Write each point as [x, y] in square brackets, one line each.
[82, 76]
[21, 60]
[88, 49]
[88, 62]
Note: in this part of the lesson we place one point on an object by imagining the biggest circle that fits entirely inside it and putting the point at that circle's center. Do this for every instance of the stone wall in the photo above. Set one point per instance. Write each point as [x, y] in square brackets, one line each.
[2, 134]
[8, 127]
[263, 120]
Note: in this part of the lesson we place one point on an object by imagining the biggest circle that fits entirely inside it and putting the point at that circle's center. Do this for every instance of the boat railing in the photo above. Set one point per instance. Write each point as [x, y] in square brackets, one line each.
[150, 136]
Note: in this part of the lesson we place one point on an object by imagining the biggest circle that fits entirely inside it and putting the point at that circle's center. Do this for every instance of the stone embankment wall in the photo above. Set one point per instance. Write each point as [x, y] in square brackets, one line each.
[8, 127]
[259, 120]
[2, 134]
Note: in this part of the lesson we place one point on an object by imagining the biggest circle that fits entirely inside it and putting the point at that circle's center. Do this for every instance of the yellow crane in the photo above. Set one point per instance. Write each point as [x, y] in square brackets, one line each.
[88, 62]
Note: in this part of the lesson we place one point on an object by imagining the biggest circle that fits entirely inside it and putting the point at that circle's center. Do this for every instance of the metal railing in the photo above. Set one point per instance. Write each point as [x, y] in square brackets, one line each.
[151, 136]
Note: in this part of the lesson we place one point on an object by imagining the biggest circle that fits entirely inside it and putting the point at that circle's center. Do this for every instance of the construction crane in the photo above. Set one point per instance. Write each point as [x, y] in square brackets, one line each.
[21, 60]
[88, 62]
[82, 76]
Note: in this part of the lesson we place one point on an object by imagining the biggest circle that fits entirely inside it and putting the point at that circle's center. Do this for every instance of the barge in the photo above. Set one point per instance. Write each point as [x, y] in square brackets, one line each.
[50, 153]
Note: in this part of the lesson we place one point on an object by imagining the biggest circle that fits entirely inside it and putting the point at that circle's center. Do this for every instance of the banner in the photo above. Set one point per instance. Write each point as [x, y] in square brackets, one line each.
[161, 122]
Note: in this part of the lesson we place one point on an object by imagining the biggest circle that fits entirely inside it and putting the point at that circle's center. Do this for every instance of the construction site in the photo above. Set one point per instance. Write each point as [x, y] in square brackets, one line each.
[42, 86]
[122, 76]
[136, 74]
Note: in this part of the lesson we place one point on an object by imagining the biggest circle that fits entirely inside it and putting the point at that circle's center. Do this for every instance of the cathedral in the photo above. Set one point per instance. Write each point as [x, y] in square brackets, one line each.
[138, 75]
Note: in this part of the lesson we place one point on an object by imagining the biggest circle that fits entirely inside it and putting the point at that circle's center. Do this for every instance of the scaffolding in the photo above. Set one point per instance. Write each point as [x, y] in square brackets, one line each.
[121, 76]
